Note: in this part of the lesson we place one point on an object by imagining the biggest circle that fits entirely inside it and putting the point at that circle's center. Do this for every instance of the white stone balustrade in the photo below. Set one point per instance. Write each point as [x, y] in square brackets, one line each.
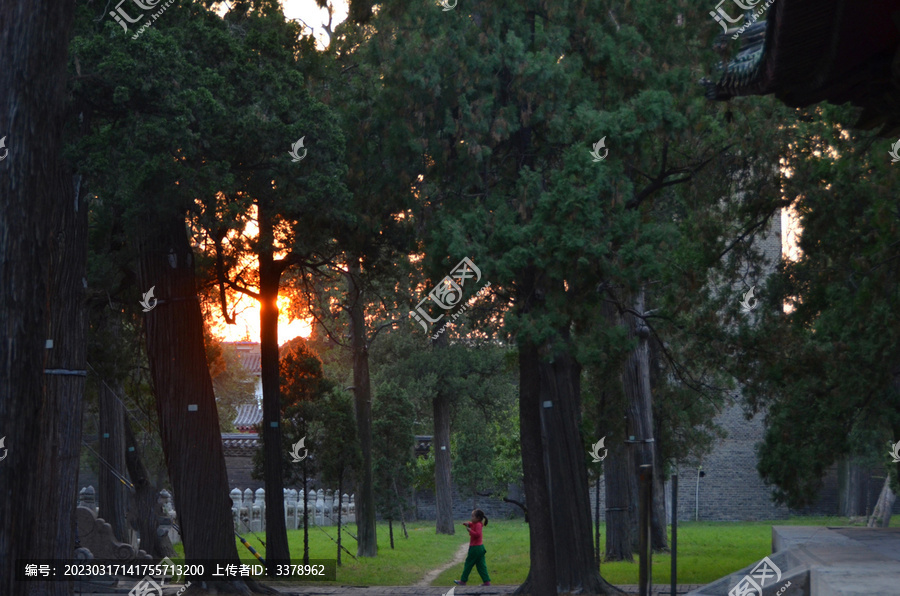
[249, 509]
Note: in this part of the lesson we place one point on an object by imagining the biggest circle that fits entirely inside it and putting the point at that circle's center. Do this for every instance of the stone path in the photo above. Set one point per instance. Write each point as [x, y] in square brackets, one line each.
[472, 590]
[459, 557]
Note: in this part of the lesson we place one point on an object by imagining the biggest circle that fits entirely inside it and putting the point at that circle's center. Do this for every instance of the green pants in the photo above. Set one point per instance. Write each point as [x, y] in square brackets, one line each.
[476, 559]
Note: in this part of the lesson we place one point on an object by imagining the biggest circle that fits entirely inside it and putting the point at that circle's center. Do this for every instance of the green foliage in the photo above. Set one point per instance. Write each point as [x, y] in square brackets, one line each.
[486, 452]
[825, 366]
[392, 450]
[422, 469]
[472, 453]
[313, 410]
[333, 432]
[233, 384]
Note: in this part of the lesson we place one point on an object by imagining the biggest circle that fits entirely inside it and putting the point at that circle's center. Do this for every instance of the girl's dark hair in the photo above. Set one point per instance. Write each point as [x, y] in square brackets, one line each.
[480, 515]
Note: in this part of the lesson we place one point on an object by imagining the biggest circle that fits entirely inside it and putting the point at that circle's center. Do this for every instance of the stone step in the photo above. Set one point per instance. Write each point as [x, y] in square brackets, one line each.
[784, 574]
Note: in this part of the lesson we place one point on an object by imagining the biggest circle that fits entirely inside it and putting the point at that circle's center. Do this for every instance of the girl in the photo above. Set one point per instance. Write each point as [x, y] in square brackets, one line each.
[476, 549]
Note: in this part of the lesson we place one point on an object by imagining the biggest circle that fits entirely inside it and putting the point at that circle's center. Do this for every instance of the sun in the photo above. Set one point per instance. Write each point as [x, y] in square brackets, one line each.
[246, 318]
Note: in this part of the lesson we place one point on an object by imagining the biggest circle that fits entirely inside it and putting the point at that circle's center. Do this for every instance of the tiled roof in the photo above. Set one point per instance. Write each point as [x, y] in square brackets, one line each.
[807, 52]
[247, 417]
[243, 444]
[423, 445]
[248, 355]
[251, 361]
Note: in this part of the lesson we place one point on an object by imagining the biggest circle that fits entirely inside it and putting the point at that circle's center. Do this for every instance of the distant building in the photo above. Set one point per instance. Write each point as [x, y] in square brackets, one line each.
[249, 356]
[804, 53]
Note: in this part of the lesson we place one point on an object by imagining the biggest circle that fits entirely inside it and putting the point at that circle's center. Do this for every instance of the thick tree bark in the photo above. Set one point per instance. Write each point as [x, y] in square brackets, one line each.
[619, 466]
[553, 460]
[881, 515]
[658, 528]
[621, 491]
[443, 496]
[440, 445]
[113, 494]
[269, 281]
[542, 571]
[636, 383]
[34, 38]
[145, 509]
[564, 453]
[367, 545]
[58, 453]
[188, 419]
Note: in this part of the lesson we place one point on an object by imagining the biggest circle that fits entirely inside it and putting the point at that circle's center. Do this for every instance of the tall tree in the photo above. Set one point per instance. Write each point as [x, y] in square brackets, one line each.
[506, 115]
[189, 421]
[338, 448]
[38, 222]
[166, 135]
[824, 346]
[290, 207]
[392, 424]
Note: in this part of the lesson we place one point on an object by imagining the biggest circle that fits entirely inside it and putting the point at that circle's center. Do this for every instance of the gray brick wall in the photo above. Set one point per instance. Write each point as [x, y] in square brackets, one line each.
[493, 507]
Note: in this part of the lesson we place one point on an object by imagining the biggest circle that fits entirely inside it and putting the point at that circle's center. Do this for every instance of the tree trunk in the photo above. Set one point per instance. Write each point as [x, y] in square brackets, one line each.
[185, 403]
[113, 494]
[541, 578]
[305, 515]
[621, 491]
[881, 515]
[391, 531]
[367, 545]
[564, 453]
[619, 466]
[400, 501]
[269, 282]
[146, 509]
[58, 453]
[340, 510]
[636, 383]
[658, 535]
[597, 553]
[443, 492]
[850, 501]
[34, 38]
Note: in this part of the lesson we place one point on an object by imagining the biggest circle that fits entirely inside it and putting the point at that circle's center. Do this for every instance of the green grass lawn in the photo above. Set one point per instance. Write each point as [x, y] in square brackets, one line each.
[706, 552]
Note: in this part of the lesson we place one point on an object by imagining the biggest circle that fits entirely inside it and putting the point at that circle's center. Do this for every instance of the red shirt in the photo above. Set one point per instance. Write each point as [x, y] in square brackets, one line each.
[474, 534]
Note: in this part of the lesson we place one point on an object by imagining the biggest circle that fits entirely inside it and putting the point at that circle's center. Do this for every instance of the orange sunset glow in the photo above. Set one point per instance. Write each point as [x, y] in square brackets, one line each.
[246, 327]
